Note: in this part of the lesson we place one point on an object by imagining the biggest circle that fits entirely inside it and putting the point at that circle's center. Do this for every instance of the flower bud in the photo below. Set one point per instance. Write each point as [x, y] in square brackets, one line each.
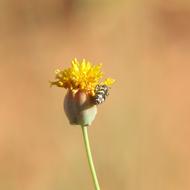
[79, 108]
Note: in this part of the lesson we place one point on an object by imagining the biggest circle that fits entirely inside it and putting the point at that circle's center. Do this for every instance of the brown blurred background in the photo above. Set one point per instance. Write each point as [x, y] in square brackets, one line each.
[141, 136]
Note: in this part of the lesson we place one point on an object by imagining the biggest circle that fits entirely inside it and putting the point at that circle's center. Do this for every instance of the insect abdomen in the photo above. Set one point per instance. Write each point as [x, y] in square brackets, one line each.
[101, 93]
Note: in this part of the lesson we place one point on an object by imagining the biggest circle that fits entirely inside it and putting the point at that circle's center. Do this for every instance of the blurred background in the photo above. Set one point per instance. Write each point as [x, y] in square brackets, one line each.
[140, 138]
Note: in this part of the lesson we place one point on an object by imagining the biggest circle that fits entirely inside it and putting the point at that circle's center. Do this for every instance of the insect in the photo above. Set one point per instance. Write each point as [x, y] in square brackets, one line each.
[101, 93]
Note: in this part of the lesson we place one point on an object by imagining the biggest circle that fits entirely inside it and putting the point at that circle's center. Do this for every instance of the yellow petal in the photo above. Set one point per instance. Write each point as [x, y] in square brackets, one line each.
[109, 81]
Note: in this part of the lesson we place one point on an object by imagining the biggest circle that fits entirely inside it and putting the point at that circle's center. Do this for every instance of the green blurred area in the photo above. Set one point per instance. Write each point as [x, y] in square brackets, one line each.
[140, 138]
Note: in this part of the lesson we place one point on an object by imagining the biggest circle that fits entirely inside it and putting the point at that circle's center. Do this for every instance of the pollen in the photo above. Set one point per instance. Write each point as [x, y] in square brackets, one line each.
[82, 75]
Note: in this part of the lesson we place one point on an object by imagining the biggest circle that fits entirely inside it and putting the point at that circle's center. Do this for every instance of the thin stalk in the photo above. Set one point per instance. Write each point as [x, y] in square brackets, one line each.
[89, 156]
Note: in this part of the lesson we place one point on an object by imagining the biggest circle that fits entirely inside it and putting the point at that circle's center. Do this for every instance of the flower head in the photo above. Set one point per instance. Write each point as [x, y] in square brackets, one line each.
[82, 76]
[85, 90]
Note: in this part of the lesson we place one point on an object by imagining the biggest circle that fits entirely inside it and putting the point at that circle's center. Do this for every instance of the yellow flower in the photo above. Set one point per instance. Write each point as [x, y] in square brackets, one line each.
[83, 76]
[81, 80]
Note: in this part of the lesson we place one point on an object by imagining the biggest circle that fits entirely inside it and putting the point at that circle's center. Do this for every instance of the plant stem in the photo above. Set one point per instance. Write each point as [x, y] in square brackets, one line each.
[89, 156]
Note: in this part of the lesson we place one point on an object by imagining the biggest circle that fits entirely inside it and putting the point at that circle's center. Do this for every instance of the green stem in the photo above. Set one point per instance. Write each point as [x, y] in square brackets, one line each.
[89, 156]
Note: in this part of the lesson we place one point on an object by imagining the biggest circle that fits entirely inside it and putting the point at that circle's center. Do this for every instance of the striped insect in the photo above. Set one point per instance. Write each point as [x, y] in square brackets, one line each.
[101, 93]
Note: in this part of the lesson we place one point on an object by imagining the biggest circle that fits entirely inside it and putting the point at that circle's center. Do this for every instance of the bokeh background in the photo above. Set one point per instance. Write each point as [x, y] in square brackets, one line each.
[141, 135]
